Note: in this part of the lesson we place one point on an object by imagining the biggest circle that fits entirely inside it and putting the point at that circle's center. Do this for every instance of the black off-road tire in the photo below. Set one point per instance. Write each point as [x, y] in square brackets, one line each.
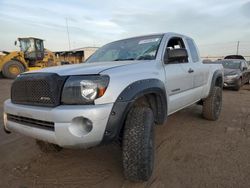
[239, 84]
[138, 144]
[46, 147]
[212, 104]
[7, 66]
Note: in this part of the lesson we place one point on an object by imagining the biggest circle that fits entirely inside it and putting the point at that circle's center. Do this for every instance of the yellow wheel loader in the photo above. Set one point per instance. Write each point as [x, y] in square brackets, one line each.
[32, 56]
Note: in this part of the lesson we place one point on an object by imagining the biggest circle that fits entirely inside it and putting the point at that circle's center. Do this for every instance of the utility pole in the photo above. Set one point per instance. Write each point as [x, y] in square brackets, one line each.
[67, 26]
[237, 51]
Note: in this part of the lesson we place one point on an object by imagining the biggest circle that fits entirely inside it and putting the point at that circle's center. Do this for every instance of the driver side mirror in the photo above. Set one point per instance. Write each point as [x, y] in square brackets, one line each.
[176, 56]
[15, 43]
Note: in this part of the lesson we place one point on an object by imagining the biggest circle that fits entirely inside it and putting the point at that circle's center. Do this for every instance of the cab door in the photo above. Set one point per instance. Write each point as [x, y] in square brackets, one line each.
[200, 73]
[178, 77]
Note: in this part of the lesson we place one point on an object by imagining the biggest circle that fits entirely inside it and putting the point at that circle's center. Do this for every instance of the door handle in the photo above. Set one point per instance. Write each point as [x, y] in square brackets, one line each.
[190, 70]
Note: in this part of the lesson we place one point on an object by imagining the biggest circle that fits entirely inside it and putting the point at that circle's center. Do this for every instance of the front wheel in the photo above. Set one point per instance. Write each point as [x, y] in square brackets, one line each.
[12, 69]
[212, 104]
[138, 144]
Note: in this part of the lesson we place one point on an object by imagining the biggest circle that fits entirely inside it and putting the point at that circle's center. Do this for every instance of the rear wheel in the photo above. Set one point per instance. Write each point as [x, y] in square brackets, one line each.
[138, 144]
[12, 68]
[212, 104]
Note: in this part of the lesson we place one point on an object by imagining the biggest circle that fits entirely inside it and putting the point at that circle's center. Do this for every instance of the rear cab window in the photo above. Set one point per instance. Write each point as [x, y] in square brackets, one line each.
[193, 50]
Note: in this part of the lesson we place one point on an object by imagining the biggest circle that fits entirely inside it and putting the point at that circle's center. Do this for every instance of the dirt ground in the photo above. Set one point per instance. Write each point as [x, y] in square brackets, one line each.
[190, 152]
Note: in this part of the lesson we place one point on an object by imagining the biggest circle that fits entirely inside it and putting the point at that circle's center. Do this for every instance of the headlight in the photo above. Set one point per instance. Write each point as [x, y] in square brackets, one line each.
[84, 89]
[231, 76]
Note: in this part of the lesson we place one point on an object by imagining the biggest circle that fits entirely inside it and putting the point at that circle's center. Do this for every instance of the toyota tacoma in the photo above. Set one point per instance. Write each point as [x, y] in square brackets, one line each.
[119, 94]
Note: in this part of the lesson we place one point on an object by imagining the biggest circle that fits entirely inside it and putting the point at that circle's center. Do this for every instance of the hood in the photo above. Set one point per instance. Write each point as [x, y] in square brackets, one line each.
[231, 71]
[84, 68]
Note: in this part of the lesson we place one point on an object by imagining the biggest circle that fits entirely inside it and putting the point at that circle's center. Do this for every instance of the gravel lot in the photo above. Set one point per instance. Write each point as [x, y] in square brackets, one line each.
[190, 152]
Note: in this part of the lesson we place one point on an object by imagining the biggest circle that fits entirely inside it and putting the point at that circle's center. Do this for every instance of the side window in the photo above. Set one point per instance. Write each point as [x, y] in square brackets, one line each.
[175, 45]
[241, 65]
[193, 50]
[244, 64]
[248, 64]
[38, 45]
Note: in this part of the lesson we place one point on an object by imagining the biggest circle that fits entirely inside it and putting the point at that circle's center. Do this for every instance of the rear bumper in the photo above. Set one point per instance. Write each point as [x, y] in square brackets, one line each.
[68, 130]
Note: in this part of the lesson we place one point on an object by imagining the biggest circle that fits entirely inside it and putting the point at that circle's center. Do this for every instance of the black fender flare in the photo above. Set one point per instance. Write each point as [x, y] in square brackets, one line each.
[214, 82]
[126, 100]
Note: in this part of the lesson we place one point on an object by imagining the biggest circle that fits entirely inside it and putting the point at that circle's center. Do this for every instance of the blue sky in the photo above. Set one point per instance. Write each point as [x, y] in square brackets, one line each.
[216, 25]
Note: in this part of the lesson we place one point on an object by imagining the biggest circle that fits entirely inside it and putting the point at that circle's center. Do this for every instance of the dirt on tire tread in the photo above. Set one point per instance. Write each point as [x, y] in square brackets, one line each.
[135, 148]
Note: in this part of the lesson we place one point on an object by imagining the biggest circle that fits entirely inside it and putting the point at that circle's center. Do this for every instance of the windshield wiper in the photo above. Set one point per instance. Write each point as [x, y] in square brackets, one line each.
[119, 59]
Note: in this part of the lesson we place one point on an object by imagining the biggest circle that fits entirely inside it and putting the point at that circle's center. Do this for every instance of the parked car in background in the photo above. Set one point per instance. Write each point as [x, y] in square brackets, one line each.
[234, 57]
[236, 72]
[248, 63]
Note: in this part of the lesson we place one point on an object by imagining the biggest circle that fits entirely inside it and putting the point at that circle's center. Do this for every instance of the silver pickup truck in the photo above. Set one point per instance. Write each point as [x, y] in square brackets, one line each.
[119, 94]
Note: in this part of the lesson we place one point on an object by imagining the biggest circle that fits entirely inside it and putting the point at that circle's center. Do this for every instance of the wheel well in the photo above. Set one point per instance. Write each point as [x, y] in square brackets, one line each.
[219, 82]
[153, 101]
[149, 92]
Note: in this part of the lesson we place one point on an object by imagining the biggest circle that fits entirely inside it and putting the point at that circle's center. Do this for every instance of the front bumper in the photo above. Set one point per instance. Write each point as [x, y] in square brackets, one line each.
[230, 82]
[67, 132]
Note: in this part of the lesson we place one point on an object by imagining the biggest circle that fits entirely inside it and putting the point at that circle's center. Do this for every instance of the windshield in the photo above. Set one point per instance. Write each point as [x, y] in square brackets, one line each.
[27, 45]
[231, 64]
[140, 48]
